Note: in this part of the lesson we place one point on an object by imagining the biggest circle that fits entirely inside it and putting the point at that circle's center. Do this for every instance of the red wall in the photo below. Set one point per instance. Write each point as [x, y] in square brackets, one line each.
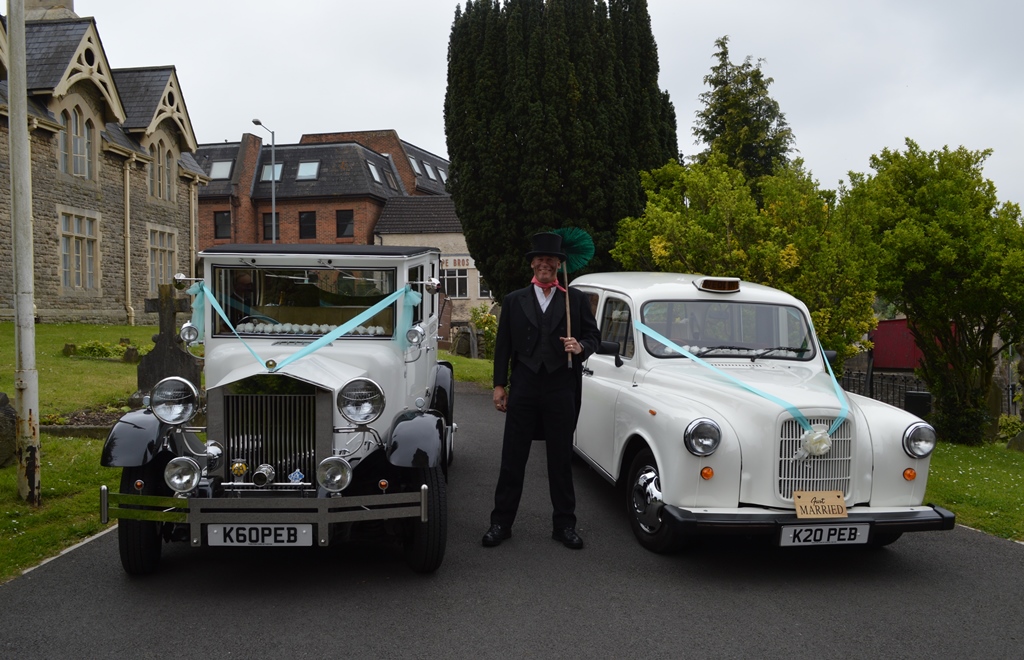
[894, 346]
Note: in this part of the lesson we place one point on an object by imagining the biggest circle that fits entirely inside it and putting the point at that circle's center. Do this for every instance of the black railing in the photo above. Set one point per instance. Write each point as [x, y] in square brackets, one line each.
[895, 388]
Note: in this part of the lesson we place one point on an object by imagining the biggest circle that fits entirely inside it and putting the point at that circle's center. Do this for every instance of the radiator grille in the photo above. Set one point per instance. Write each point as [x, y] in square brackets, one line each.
[828, 472]
[277, 429]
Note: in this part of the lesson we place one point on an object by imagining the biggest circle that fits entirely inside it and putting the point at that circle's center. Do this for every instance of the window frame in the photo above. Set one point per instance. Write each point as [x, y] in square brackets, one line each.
[351, 223]
[304, 225]
[162, 257]
[79, 251]
[460, 276]
[214, 167]
[271, 222]
[218, 226]
[299, 176]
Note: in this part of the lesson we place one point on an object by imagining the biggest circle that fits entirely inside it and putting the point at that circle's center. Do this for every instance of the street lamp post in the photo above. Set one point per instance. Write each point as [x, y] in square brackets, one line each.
[273, 184]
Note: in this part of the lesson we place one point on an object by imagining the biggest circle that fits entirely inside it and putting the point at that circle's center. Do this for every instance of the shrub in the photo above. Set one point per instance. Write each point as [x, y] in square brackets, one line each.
[487, 324]
[1010, 427]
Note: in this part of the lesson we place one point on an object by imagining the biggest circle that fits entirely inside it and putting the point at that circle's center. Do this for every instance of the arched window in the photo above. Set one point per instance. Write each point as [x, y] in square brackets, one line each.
[152, 170]
[64, 145]
[159, 192]
[169, 169]
[88, 149]
[79, 154]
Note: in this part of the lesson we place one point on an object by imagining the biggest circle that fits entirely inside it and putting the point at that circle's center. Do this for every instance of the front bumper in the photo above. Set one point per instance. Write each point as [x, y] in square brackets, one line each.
[321, 512]
[750, 521]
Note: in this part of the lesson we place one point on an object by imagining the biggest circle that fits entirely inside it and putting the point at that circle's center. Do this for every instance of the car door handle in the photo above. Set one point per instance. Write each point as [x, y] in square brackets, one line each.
[587, 371]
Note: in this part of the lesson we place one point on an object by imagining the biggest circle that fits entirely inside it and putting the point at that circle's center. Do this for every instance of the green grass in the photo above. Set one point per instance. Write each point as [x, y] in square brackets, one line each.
[982, 485]
[70, 384]
[70, 479]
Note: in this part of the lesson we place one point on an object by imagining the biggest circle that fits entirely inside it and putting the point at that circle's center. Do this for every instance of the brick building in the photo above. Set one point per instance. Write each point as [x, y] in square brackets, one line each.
[114, 181]
[354, 187]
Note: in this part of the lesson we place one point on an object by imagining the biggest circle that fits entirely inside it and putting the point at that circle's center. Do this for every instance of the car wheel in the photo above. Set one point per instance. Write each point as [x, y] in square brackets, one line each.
[139, 541]
[425, 541]
[643, 506]
[882, 539]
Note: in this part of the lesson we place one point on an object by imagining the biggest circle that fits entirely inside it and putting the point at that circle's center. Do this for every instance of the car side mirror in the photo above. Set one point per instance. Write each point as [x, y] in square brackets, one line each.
[831, 356]
[610, 348]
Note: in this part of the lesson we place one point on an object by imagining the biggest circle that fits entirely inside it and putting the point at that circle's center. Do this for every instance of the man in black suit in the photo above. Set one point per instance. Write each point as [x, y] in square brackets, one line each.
[532, 340]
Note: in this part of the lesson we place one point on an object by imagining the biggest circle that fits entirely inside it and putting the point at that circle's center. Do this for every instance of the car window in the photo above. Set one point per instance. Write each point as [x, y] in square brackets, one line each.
[302, 301]
[728, 328]
[617, 326]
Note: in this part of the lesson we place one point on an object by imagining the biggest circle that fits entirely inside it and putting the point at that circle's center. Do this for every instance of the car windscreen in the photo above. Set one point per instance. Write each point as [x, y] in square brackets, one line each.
[302, 301]
[728, 329]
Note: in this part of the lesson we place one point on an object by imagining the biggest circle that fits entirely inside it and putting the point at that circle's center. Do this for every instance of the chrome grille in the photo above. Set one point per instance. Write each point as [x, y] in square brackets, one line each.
[828, 472]
[277, 429]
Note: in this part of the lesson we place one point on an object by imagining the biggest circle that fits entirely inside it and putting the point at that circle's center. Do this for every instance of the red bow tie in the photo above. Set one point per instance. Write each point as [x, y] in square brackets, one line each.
[548, 285]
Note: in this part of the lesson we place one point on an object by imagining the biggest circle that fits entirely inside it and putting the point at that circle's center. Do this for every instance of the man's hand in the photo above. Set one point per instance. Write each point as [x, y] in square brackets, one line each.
[571, 345]
[500, 398]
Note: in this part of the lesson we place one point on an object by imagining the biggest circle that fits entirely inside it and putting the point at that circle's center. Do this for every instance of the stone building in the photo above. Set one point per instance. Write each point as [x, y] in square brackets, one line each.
[114, 180]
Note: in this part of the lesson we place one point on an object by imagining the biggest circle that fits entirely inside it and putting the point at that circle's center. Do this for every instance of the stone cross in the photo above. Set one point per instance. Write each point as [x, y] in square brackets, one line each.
[168, 357]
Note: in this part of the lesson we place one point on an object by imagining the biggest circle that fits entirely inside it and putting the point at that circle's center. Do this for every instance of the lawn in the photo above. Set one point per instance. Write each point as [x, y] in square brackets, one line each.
[984, 485]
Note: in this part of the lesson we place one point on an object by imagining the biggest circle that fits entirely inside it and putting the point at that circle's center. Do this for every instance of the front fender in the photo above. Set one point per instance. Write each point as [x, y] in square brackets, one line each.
[416, 439]
[134, 440]
[443, 400]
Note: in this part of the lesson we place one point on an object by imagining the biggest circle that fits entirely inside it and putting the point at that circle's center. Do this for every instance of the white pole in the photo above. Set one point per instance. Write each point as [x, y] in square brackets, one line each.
[26, 378]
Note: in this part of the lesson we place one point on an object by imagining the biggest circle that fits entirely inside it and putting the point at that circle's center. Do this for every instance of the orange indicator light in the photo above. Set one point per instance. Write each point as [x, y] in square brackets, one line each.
[653, 412]
[910, 474]
[383, 484]
[706, 473]
[139, 484]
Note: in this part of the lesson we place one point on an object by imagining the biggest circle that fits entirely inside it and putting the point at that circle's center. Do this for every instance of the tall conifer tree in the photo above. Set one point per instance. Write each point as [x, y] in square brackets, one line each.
[551, 111]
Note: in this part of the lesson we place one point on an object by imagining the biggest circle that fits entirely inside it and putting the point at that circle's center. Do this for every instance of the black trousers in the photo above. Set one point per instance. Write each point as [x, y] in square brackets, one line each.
[540, 405]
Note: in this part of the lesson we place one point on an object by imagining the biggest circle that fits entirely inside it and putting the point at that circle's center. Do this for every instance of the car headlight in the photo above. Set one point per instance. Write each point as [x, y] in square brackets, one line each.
[189, 333]
[361, 401]
[702, 437]
[182, 474]
[415, 335]
[919, 440]
[334, 473]
[174, 400]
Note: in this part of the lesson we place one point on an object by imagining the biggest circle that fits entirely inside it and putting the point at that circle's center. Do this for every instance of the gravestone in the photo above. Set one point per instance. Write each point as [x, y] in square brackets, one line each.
[8, 424]
[1017, 442]
[168, 357]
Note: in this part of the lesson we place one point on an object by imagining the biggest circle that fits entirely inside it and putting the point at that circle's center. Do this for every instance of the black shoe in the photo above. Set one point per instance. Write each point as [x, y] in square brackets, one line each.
[568, 537]
[496, 534]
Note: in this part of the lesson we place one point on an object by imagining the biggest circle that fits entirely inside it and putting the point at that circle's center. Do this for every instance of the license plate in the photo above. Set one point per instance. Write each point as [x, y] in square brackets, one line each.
[824, 534]
[260, 535]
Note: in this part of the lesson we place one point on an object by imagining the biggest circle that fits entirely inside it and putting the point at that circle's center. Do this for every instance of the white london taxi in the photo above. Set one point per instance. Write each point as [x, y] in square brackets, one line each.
[714, 405]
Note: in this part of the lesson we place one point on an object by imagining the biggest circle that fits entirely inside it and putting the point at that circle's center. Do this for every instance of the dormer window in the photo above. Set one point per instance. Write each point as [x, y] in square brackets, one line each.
[308, 170]
[221, 169]
[415, 166]
[444, 177]
[265, 174]
[430, 171]
[374, 172]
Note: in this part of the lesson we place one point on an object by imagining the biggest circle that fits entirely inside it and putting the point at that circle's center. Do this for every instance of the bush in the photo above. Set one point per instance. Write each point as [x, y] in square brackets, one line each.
[1010, 427]
[98, 349]
[487, 324]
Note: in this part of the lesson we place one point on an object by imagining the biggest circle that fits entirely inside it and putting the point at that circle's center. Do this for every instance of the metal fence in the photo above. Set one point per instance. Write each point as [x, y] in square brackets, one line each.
[895, 388]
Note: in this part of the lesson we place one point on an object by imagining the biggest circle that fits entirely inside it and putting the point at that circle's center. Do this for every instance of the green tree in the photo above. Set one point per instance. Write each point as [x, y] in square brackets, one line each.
[551, 111]
[701, 218]
[740, 119]
[950, 258]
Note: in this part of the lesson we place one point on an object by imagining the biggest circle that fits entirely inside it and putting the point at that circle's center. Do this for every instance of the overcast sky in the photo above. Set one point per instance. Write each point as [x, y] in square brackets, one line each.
[851, 77]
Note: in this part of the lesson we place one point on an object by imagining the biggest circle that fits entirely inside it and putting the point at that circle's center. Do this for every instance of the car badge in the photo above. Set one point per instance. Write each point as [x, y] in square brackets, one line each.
[296, 477]
[238, 467]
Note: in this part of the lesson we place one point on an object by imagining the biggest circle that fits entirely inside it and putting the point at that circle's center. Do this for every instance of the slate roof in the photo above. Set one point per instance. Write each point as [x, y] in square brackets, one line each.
[49, 47]
[419, 215]
[206, 155]
[343, 171]
[423, 182]
[141, 91]
[35, 108]
[188, 163]
[114, 134]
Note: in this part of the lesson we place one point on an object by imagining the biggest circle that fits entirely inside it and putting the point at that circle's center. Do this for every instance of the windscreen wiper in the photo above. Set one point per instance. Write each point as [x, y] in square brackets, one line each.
[791, 349]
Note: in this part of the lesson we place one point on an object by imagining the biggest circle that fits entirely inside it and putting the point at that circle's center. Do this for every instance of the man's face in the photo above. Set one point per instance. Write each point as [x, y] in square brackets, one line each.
[545, 268]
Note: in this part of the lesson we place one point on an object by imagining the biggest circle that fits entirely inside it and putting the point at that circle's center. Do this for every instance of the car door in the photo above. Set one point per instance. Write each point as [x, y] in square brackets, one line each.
[597, 433]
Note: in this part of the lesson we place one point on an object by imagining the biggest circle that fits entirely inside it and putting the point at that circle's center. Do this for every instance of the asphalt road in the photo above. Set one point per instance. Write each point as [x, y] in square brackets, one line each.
[930, 595]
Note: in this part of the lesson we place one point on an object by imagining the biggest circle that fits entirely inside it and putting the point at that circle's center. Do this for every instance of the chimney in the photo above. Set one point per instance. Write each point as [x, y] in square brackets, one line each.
[49, 10]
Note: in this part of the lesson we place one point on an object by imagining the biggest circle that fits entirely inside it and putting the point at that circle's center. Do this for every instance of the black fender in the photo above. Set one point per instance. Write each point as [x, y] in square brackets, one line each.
[443, 400]
[416, 439]
[136, 439]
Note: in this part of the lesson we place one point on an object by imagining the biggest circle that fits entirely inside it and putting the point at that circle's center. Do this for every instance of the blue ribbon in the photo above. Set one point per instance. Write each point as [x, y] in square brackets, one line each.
[200, 290]
[790, 408]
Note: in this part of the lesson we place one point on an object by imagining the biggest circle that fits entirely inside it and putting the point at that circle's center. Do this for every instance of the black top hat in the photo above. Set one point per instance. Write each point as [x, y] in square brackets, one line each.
[546, 244]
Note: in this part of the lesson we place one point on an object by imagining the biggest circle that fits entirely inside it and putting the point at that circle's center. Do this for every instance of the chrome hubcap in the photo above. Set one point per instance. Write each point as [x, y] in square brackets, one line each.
[647, 500]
